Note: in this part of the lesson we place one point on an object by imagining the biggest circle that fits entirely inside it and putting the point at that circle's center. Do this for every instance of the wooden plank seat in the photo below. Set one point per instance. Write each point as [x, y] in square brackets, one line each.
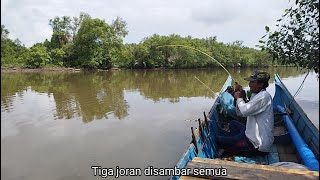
[236, 170]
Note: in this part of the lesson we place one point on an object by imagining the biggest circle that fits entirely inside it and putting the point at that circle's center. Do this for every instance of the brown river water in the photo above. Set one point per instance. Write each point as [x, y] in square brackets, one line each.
[57, 125]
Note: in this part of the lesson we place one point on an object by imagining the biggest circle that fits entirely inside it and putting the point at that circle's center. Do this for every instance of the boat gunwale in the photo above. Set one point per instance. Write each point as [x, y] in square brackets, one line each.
[191, 146]
[227, 83]
[314, 137]
[294, 103]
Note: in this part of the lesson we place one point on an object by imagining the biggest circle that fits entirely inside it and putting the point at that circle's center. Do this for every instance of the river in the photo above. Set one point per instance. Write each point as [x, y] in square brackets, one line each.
[57, 125]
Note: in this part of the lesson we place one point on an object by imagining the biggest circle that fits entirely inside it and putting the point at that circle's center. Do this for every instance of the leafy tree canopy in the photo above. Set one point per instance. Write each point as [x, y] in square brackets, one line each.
[296, 39]
[94, 43]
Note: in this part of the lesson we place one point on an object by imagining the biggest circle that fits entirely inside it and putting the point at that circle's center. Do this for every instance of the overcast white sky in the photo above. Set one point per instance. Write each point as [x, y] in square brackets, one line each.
[229, 20]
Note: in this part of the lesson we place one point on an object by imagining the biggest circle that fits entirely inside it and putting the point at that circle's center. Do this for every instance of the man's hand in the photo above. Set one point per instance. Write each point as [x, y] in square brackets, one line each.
[237, 87]
[237, 95]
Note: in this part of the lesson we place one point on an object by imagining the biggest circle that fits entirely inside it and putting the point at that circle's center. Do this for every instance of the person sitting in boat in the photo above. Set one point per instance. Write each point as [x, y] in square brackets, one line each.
[257, 135]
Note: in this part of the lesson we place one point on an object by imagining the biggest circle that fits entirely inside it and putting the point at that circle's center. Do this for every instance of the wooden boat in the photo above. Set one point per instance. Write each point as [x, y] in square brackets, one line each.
[296, 142]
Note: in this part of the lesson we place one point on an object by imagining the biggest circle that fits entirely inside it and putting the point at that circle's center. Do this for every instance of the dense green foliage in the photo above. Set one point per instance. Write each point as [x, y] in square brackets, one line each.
[85, 42]
[296, 41]
[96, 44]
[37, 57]
[10, 50]
[147, 54]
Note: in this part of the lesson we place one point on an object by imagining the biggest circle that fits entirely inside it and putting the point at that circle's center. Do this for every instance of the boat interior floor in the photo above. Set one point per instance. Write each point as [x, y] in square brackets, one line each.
[265, 159]
[283, 149]
[279, 153]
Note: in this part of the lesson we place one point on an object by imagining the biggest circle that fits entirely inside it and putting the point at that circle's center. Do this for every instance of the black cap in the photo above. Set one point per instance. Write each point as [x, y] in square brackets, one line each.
[258, 75]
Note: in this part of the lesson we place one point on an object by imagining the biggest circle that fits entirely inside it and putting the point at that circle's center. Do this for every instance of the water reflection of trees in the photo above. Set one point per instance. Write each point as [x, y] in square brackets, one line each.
[94, 95]
[171, 84]
[85, 95]
[91, 95]
[11, 85]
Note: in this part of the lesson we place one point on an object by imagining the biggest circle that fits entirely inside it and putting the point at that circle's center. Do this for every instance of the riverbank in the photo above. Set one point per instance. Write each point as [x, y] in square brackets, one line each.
[14, 69]
[65, 69]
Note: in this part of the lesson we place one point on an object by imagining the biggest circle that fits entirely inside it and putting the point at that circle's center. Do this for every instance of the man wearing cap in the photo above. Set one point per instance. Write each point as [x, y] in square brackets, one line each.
[257, 135]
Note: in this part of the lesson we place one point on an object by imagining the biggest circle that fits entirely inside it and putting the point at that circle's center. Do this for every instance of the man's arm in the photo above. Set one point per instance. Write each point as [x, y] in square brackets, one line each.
[254, 106]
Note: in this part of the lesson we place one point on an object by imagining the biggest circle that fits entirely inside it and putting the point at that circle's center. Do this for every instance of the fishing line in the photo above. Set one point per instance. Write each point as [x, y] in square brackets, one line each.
[200, 52]
[191, 120]
[204, 85]
[300, 87]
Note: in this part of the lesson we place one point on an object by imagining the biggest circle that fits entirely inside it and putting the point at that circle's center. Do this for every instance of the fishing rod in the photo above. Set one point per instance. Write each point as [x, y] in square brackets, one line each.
[200, 52]
[204, 84]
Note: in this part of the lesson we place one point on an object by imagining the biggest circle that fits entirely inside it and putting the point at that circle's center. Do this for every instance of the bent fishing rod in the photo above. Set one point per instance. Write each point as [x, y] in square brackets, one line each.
[198, 51]
[195, 76]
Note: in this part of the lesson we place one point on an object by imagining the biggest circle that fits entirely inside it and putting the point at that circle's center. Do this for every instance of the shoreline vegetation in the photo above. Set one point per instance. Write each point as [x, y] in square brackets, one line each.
[65, 69]
[86, 43]
[90, 43]
[57, 69]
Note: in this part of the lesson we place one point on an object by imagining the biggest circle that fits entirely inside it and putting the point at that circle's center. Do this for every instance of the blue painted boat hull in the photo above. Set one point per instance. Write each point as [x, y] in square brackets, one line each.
[305, 152]
[205, 145]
